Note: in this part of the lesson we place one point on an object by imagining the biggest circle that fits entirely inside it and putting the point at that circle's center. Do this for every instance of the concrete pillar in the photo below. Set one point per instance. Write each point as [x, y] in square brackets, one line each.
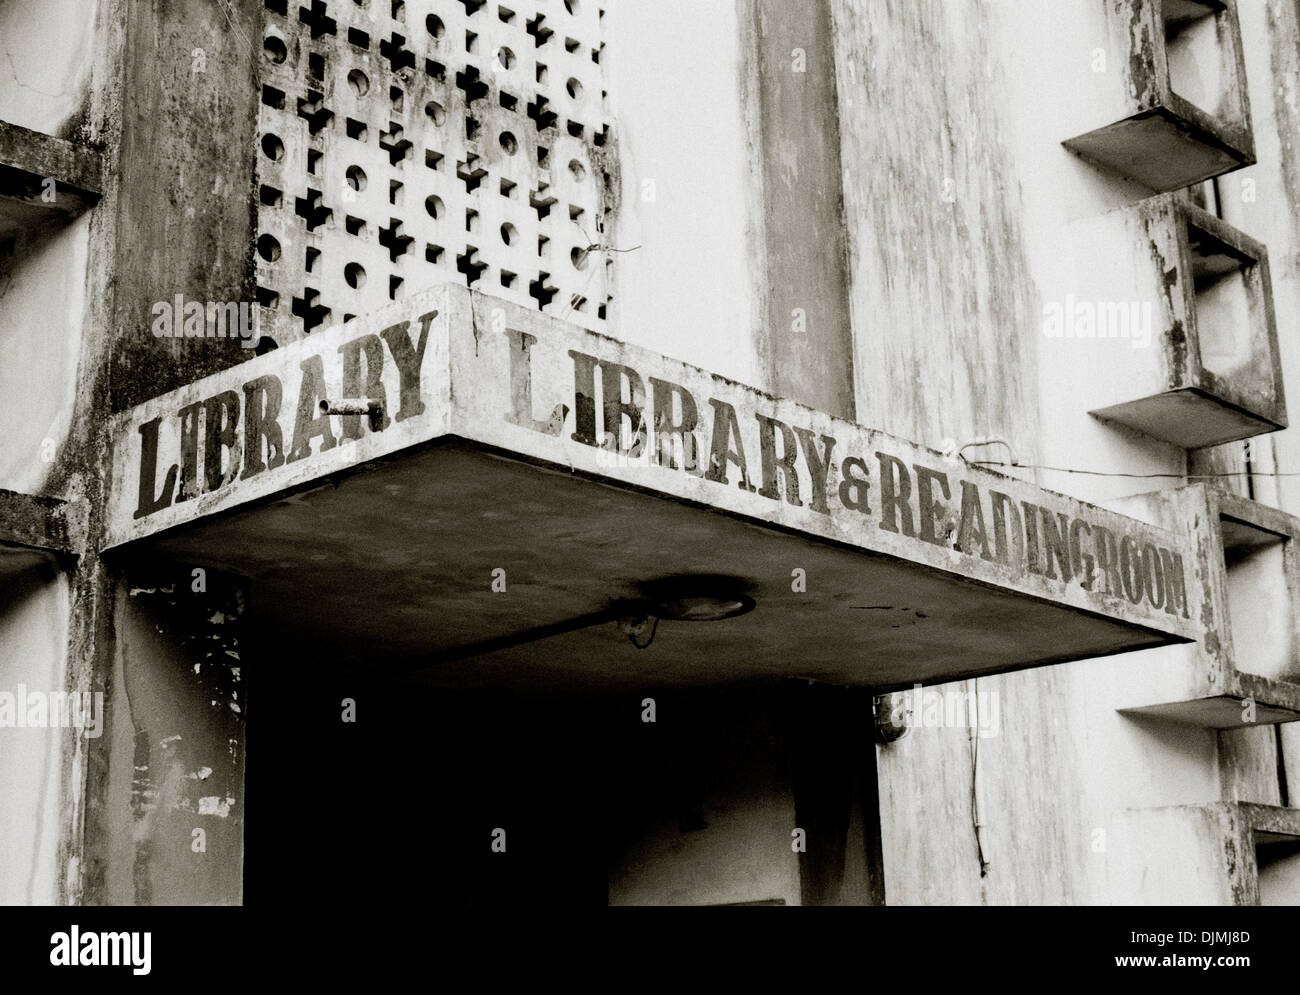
[810, 339]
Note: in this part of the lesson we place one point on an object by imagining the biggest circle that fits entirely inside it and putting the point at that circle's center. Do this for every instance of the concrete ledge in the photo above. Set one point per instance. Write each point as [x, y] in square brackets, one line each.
[1273, 702]
[36, 530]
[1200, 854]
[1160, 150]
[1271, 823]
[38, 522]
[1174, 122]
[1204, 683]
[1211, 372]
[28, 160]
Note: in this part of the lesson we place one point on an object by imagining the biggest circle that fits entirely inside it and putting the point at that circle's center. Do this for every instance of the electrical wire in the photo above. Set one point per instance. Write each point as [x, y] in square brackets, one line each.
[236, 30]
[579, 297]
[1141, 476]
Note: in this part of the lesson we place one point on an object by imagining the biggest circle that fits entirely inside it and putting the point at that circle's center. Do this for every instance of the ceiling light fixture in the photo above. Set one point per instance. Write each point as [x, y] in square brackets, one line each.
[683, 598]
[698, 598]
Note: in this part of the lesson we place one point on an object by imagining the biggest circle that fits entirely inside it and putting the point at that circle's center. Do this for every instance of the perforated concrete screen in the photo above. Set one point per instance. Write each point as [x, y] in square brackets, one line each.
[403, 144]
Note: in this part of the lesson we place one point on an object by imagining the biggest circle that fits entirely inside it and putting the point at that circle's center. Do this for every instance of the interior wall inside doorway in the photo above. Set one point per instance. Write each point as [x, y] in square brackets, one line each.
[378, 790]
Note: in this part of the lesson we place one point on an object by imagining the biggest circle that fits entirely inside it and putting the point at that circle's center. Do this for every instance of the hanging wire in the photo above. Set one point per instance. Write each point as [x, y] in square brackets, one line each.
[974, 774]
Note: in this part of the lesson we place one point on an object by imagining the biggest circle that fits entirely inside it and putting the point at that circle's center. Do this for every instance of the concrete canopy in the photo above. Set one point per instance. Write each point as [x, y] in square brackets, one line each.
[465, 518]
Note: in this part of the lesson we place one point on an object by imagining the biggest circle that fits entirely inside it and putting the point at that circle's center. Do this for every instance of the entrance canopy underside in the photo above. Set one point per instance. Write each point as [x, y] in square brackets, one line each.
[392, 566]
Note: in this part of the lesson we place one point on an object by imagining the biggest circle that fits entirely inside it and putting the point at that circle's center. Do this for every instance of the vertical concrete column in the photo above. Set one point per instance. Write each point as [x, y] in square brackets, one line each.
[810, 342]
[836, 794]
[186, 204]
[174, 97]
[797, 123]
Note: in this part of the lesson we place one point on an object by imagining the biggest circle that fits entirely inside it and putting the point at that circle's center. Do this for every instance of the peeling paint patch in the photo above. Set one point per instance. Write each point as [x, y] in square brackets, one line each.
[136, 591]
[215, 805]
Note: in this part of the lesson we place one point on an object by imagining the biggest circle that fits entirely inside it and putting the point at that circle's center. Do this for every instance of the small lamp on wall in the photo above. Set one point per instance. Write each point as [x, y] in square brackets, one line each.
[892, 718]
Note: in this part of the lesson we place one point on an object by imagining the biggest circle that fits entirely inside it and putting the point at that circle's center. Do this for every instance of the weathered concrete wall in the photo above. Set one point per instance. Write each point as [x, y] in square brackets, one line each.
[1180, 855]
[42, 302]
[691, 195]
[956, 196]
[184, 220]
[943, 302]
[806, 286]
[47, 53]
[1248, 765]
[736, 207]
[50, 54]
[1264, 201]
[33, 647]
[175, 217]
[957, 244]
[57, 77]
[173, 808]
